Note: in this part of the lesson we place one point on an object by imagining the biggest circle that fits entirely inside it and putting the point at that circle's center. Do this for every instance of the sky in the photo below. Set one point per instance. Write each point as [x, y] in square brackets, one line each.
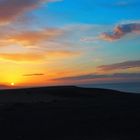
[63, 42]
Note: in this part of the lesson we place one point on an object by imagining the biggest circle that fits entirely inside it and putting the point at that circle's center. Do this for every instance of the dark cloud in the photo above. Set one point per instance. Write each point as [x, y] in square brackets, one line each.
[109, 77]
[96, 77]
[81, 77]
[120, 31]
[34, 74]
[117, 66]
[11, 9]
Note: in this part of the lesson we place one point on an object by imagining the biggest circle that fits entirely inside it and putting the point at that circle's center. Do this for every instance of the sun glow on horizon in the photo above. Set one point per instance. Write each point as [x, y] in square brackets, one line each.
[12, 84]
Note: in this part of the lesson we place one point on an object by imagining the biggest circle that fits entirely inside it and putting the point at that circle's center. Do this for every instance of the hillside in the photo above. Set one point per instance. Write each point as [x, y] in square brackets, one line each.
[56, 92]
[69, 113]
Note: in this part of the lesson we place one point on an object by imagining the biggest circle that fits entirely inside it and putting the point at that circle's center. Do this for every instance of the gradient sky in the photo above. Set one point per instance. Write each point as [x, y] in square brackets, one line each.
[51, 42]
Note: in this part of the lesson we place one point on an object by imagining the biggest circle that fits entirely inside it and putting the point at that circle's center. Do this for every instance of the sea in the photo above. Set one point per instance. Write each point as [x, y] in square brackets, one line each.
[125, 87]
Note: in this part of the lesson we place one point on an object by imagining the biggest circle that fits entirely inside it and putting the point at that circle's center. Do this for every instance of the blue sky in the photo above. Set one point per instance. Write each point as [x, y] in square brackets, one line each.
[89, 12]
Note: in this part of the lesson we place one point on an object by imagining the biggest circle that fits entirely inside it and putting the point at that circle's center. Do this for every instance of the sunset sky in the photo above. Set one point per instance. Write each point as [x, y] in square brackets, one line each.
[52, 42]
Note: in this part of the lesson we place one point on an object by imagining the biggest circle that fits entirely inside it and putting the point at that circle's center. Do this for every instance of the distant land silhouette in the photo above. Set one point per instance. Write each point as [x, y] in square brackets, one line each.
[69, 113]
[123, 86]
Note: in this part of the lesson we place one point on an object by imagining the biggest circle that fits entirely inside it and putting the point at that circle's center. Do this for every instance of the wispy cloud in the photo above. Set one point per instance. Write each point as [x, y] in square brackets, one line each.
[34, 74]
[34, 57]
[63, 54]
[101, 73]
[24, 57]
[118, 66]
[102, 77]
[34, 38]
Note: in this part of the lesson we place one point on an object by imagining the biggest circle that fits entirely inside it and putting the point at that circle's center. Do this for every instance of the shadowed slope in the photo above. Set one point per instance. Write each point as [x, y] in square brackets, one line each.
[45, 93]
[69, 113]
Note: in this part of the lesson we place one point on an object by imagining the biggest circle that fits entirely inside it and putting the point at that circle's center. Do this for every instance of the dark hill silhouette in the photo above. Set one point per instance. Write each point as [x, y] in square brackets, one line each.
[69, 113]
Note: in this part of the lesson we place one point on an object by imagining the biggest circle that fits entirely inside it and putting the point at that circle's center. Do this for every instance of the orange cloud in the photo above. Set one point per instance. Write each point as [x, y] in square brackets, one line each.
[21, 56]
[32, 38]
[31, 57]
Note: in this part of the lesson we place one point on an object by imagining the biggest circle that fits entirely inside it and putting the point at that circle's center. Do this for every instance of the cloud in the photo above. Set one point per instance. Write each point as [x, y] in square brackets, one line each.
[118, 66]
[81, 77]
[24, 57]
[120, 31]
[11, 9]
[62, 54]
[42, 56]
[33, 38]
[89, 39]
[28, 38]
[34, 74]
[102, 77]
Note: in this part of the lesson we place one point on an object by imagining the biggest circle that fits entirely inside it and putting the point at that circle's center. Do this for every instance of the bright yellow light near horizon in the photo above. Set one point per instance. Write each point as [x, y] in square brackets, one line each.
[12, 84]
[11, 79]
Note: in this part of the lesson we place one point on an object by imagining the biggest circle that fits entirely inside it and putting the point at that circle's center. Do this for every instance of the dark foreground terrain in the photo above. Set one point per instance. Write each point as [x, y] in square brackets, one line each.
[69, 113]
